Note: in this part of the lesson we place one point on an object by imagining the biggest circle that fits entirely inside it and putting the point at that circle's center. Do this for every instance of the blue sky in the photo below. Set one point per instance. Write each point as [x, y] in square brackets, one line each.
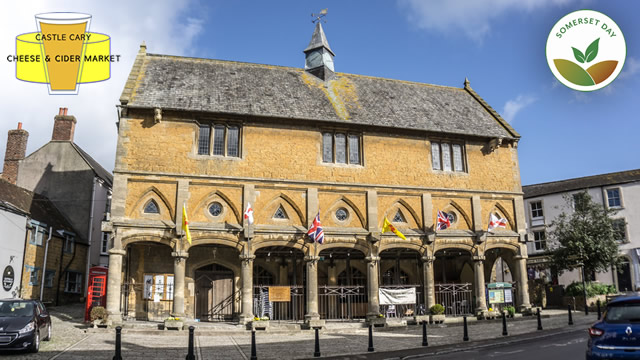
[498, 44]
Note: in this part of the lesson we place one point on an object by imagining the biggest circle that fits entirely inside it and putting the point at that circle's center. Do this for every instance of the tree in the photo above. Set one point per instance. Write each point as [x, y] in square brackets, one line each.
[585, 237]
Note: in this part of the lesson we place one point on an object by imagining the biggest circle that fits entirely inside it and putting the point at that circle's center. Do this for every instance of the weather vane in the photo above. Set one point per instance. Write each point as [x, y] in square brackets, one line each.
[319, 16]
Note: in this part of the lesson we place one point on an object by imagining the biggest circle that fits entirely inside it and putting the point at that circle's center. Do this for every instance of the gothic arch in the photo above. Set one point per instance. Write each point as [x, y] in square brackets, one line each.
[207, 199]
[163, 203]
[285, 200]
[462, 213]
[136, 238]
[401, 204]
[231, 240]
[504, 212]
[350, 204]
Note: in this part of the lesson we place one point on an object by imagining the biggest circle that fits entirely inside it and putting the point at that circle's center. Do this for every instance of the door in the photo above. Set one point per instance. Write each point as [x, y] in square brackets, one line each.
[214, 295]
[624, 277]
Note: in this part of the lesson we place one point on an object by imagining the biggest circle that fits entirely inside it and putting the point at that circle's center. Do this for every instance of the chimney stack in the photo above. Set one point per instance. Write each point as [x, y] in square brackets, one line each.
[64, 126]
[16, 149]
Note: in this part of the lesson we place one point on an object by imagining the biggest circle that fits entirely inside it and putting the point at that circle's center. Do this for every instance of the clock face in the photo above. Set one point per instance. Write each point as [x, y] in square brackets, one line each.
[314, 59]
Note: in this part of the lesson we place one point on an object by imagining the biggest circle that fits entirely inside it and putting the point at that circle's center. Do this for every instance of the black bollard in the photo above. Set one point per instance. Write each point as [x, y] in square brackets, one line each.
[425, 342]
[504, 324]
[465, 337]
[190, 355]
[253, 345]
[316, 352]
[539, 320]
[570, 316]
[118, 355]
[599, 311]
[370, 339]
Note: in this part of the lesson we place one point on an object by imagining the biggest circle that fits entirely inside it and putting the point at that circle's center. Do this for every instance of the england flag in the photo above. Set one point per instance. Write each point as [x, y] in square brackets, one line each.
[495, 222]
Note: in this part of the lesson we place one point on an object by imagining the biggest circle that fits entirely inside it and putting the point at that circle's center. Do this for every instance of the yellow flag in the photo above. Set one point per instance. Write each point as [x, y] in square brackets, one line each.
[388, 227]
[185, 223]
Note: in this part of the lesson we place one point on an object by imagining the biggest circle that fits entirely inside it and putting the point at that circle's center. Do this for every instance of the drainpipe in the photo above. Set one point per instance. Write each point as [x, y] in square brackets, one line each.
[44, 266]
[89, 249]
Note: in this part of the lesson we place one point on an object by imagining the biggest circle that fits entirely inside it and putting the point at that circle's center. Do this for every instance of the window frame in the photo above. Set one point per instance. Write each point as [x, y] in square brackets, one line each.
[542, 241]
[606, 195]
[37, 235]
[348, 134]
[623, 229]
[69, 244]
[531, 210]
[78, 282]
[48, 273]
[33, 270]
[211, 124]
[452, 162]
[104, 243]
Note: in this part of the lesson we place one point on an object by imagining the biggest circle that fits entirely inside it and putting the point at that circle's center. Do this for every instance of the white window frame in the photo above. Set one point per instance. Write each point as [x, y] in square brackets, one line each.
[69, 244]
[606, 195]
[542, 242]
[77, 288]
[624, 229]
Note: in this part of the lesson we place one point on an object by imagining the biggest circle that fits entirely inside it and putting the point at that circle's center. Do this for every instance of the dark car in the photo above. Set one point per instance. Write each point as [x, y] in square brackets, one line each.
[617, 335]
[23, 323]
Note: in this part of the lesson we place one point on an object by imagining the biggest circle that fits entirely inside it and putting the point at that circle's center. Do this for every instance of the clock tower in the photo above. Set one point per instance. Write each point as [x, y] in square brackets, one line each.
[318, 55]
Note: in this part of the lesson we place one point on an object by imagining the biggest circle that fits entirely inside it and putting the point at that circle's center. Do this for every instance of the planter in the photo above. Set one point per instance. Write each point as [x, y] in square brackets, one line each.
[99, 323]
[260, 325]
[173, 324]
[437, 319]
[422, 318]
[377, 321]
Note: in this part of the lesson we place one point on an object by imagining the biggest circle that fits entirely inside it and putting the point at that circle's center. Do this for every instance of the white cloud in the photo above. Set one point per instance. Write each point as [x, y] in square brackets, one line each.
[631, 67]
[471, 17]
[167, 27]
[512, 107]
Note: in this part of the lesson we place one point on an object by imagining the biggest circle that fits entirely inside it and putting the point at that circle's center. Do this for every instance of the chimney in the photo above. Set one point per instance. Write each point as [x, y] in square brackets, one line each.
[16, 149]
[64, 126]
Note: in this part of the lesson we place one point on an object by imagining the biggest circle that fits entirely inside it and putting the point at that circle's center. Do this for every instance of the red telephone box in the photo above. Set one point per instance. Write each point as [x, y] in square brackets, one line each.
[97, 289]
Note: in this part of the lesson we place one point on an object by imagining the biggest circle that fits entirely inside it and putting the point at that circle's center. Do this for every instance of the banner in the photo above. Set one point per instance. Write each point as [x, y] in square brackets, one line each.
[397, 296]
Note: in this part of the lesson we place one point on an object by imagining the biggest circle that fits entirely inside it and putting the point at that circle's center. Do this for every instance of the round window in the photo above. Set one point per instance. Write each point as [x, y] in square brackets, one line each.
[215, 209]
[342, 214]
[452, 217]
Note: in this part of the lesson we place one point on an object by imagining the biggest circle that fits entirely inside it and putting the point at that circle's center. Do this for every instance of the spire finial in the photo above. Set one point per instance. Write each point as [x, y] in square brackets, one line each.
[318, 17]
[466, 82]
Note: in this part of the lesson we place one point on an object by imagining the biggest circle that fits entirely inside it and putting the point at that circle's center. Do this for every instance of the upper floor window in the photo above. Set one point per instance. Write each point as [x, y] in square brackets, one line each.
[539, 240]
[613, 198]
[619, 229]
[37, 235]
[341, 148]
[104, 243]
[69, 243]
[536, 210]
[447, 156]
[219, 139]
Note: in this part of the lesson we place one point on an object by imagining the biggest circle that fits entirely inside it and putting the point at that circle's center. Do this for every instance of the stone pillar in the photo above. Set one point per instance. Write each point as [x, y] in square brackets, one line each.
[372, 286]
[481, 303]
[312, 318]
[179, 265]
[114, 285]
[283, 276]
[246, 276]
[429, 282]
[522, 283]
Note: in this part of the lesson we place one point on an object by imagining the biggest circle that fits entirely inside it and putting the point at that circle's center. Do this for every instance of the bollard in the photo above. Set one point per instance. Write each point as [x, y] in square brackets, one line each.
[370, 339]
[465, 337]
[316, 352]
[190, 355]
[253, 345]
[504, 324]
[570, 316]
[118, 355]
[599, 311]
[425, 342]
[539, 320]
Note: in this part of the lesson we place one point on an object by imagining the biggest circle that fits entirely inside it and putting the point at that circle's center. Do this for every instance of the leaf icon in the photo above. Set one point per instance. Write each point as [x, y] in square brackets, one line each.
[592, 50]
[579, 55]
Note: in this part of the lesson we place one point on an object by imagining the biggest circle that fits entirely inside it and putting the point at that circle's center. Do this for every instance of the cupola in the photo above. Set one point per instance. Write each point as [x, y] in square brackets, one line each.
[318, 55]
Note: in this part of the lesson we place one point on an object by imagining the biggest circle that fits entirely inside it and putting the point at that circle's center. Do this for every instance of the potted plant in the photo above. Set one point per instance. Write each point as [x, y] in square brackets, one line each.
[260, 323]
[511, 311]
[437, 314]
[98, 316]
[173, 322]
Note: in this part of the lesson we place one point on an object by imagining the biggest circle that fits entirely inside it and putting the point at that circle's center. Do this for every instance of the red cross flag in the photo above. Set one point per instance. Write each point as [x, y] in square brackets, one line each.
[248, 214]
[495, 222]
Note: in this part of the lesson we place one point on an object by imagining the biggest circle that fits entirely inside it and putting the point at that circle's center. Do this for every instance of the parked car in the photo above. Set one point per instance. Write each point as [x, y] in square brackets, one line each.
[23, 323]
[617, 335]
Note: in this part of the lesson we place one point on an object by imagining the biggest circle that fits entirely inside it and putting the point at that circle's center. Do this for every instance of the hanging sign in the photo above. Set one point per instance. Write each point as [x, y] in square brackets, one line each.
[8, 278]
[397, 296]
[279, 293]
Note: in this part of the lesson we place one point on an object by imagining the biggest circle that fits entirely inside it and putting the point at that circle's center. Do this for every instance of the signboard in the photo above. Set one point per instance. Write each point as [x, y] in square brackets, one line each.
[508, 298]
[397, 296]
[496, 296]
[8, 278]
[279, 293]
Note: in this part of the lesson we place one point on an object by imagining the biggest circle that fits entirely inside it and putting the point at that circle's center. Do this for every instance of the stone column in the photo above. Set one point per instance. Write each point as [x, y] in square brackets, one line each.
[522, 283]
[114, 285]
[312, 317]
[372, 286]
[246, 276]
[179, 265]
[429, 282]
[481, 303]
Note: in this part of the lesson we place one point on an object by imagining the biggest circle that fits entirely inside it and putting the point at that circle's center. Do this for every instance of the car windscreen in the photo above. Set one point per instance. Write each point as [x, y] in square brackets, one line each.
[623, 313]
[16, 308]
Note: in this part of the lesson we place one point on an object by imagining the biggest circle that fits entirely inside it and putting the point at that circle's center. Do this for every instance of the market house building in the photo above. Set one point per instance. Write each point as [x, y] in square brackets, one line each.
[294, 142]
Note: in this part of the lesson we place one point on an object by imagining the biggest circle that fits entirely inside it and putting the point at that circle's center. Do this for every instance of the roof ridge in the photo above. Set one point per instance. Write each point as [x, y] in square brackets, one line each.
[90, 161]
[586, 177]
[491, 110]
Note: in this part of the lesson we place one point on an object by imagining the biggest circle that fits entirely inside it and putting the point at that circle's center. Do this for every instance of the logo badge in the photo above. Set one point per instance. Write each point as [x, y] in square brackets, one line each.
[628, 331]
[586, 50]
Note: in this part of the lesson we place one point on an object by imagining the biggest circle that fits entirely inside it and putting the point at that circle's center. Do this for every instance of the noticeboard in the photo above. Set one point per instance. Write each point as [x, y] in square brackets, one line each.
[496, 296]
[279, 293]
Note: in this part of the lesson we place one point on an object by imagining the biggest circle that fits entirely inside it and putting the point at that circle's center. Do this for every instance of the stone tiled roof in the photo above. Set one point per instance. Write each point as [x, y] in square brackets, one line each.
[622, 177]
[227, 87]
[36, 206]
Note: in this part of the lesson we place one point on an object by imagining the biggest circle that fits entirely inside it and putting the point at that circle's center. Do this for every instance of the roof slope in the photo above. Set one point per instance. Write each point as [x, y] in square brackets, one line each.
[93, 164]
[621, 177]
[218, 86]
[36, 206]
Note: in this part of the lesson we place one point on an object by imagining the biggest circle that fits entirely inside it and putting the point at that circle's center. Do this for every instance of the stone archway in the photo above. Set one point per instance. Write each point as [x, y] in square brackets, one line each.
[455, 281]
[342, 294]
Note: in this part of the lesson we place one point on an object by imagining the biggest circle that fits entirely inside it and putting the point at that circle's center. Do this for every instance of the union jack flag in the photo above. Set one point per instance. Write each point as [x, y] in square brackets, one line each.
[443, 220]
[315, 231]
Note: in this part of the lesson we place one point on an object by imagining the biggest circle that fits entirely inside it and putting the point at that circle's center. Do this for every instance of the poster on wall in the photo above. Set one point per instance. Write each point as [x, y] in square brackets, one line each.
[496, 296]
[148, 286]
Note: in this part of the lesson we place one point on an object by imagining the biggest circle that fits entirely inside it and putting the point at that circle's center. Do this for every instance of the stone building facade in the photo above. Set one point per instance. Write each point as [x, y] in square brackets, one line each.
[215, 136]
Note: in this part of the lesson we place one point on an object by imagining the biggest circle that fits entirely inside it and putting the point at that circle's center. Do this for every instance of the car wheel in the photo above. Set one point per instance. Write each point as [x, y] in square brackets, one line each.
[48, 333]
[36, 343]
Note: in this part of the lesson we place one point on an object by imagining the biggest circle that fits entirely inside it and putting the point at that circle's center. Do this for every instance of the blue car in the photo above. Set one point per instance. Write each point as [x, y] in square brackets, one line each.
[617, 335]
